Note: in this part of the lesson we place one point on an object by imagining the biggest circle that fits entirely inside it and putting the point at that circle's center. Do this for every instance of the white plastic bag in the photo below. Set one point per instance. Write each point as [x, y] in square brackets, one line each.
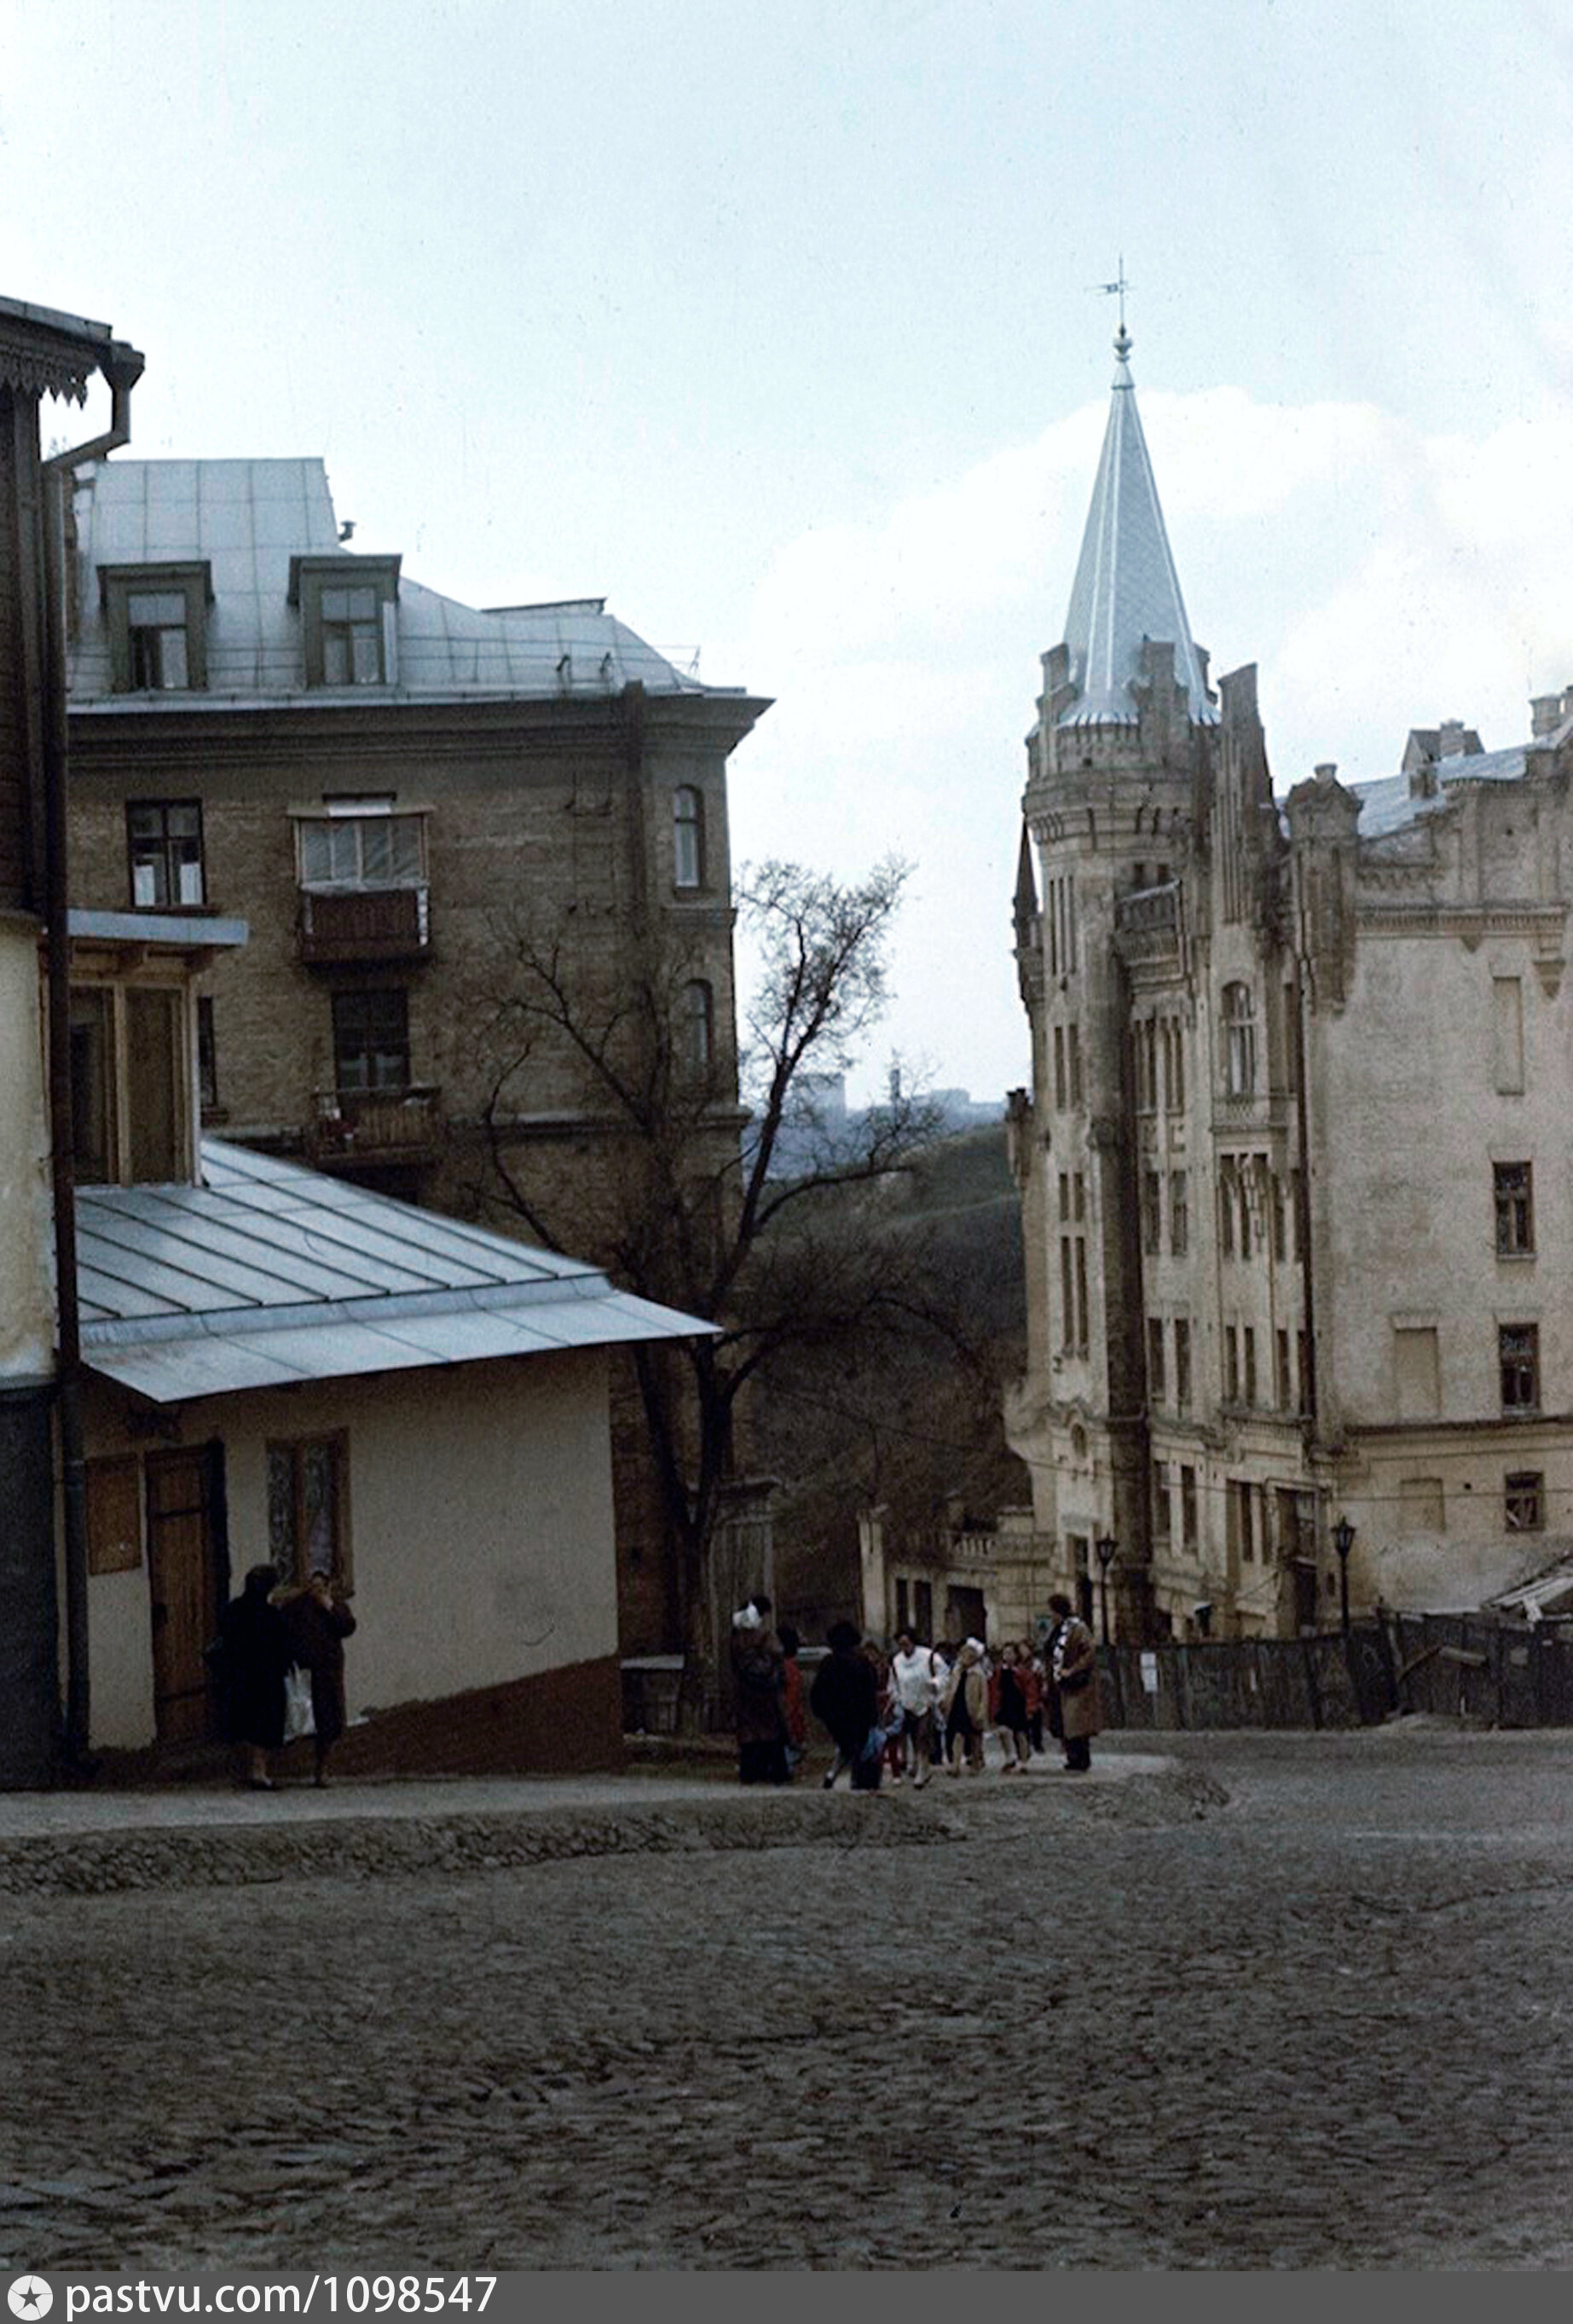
[298, 1719]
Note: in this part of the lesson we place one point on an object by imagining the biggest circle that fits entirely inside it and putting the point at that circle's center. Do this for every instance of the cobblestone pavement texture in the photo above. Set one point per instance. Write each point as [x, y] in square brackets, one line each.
[1322, 2022]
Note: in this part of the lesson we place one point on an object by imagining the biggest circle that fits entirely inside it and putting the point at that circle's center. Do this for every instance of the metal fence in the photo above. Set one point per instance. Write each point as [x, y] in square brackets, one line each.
[1505, 1674]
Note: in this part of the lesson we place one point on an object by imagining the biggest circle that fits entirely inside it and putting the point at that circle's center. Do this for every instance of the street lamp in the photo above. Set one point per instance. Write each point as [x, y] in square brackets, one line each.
[1105, 1547]
[1343, 1542]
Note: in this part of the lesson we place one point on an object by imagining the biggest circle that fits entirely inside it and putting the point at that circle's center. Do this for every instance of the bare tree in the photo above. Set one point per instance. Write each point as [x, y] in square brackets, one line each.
[724, 1160]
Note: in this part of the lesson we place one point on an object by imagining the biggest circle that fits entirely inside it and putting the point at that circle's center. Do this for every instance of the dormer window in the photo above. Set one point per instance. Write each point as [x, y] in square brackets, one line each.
[157, 618]
[348, 618]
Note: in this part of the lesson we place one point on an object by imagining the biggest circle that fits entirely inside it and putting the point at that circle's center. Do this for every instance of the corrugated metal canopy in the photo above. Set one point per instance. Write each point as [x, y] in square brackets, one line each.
[268, 1273]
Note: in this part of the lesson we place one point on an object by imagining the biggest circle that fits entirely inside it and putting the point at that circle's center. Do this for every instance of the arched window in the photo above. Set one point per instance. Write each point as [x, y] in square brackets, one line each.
[698, 1026]
[1239, 1041]
[688, 837]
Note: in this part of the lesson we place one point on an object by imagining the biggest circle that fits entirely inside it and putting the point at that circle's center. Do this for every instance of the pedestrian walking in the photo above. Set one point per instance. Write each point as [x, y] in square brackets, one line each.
[845, 1698]
[1008, 1708]
[252, 1656]
[1029, 1671]
[913, 1676]
[316, 1622]
[1073, 1665]
[758, 1667]
[940, 1659]
[967, 1708]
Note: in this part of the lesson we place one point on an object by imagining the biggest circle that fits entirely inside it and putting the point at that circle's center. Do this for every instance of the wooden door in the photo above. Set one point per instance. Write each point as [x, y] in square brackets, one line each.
[184, 1499]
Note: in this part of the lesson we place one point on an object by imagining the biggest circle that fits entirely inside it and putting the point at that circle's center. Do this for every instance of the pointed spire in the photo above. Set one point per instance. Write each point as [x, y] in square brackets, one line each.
[1026, 912]
[1126, 588]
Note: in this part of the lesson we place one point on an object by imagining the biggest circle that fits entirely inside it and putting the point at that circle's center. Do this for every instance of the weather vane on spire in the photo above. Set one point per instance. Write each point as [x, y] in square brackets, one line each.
[1117, 289]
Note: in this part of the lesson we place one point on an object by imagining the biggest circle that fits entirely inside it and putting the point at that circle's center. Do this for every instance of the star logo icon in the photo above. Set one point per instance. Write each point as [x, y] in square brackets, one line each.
[30, 2297]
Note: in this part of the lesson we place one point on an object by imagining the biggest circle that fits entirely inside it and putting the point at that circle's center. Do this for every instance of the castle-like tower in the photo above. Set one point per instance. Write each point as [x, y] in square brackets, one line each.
[1149, 849]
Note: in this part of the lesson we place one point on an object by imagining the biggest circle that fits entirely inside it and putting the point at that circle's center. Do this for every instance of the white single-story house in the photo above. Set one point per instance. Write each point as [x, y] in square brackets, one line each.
[289, 1368]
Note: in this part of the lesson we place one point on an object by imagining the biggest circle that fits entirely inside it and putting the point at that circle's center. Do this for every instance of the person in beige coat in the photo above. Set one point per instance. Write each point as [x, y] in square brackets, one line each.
[1073, 1667]
[965, 1702]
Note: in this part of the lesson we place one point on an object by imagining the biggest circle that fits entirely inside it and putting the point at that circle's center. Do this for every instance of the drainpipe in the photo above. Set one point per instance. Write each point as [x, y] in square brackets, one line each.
[122, 366]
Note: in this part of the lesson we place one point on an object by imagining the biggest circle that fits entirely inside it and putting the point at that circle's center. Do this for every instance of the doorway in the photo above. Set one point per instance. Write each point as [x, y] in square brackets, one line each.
[187, 1574]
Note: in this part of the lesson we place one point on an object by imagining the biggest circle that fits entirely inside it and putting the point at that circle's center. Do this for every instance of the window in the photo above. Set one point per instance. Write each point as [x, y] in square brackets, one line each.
[688, 837]
[1174, 1067]
[1283, 1374]
[1517, 1351]
[1187, 1528]
[309, 1508]
[349, 607]
[1073, 1062]
[1280, 1219]
[1178, 1212]
[1242, 1520]
[164, 842]
[371, 1040]
[1155, 1385]
[1144, 1046]
[1151, 1214]
[1182, 1363]
[1515, 1214]
[1059, 1085]
[1082, 1340]
[130, 1104]
[1239, 1015]
[698, 1026]
[360, 845]
[1226, 1210]
[1524, 1502]
[156, 616]
[1248, 1339]
[1161, 1518]
[1064, 1197]
[1231, 1364]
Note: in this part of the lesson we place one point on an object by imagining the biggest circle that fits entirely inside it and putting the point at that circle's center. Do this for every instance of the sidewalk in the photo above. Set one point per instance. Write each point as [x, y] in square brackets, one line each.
[90, 1840]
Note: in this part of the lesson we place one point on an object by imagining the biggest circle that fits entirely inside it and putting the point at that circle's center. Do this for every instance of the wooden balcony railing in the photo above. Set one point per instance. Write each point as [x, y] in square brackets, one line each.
[350, 924]
[372, 1128]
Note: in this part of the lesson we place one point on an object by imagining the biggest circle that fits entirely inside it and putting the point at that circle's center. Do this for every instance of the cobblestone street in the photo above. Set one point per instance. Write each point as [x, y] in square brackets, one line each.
[1323, 2022]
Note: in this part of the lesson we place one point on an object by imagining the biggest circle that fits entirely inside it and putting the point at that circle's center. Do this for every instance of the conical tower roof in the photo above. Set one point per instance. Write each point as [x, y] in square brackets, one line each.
[1126, 588]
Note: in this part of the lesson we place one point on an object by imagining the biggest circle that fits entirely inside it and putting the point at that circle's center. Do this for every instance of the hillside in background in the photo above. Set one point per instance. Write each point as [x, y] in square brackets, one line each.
[916, 1427]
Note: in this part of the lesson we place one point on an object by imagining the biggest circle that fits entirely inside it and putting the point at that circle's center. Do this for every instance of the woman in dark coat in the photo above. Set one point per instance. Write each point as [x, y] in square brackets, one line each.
[316, 1624]
[758, 1665]
[844, 1698]
[254, 1655]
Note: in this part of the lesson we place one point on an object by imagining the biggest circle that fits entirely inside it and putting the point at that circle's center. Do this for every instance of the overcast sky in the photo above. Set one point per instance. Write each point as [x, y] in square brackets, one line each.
[776, 326]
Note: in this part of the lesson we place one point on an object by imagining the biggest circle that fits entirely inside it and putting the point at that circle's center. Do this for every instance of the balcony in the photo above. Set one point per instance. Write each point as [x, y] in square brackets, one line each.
[1147, 925]
[375, 1130]
[340, 925]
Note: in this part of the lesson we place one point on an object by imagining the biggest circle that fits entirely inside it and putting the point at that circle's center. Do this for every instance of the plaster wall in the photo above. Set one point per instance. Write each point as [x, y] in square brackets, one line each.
[26, 1242]
[480, 1526]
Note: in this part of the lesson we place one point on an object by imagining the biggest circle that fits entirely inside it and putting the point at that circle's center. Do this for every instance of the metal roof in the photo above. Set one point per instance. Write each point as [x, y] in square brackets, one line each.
[267, 1273]
[1390, 804]
[1126, 587]
[246, 520]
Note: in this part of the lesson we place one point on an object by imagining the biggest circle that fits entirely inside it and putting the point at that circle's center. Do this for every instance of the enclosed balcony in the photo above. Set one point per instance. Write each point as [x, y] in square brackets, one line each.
[340, 925]
[360, 865]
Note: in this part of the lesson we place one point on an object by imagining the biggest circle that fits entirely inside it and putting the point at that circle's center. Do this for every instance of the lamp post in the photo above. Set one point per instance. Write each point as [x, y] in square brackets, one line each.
[1343, 1542]
[1105, 1547]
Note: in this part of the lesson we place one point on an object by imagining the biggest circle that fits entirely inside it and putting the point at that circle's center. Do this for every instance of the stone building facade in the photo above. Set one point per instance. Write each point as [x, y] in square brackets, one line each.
[1296, 1195]
[397, 791]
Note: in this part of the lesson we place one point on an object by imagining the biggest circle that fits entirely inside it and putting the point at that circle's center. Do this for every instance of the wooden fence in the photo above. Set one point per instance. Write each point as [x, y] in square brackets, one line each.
[1502, 1674]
